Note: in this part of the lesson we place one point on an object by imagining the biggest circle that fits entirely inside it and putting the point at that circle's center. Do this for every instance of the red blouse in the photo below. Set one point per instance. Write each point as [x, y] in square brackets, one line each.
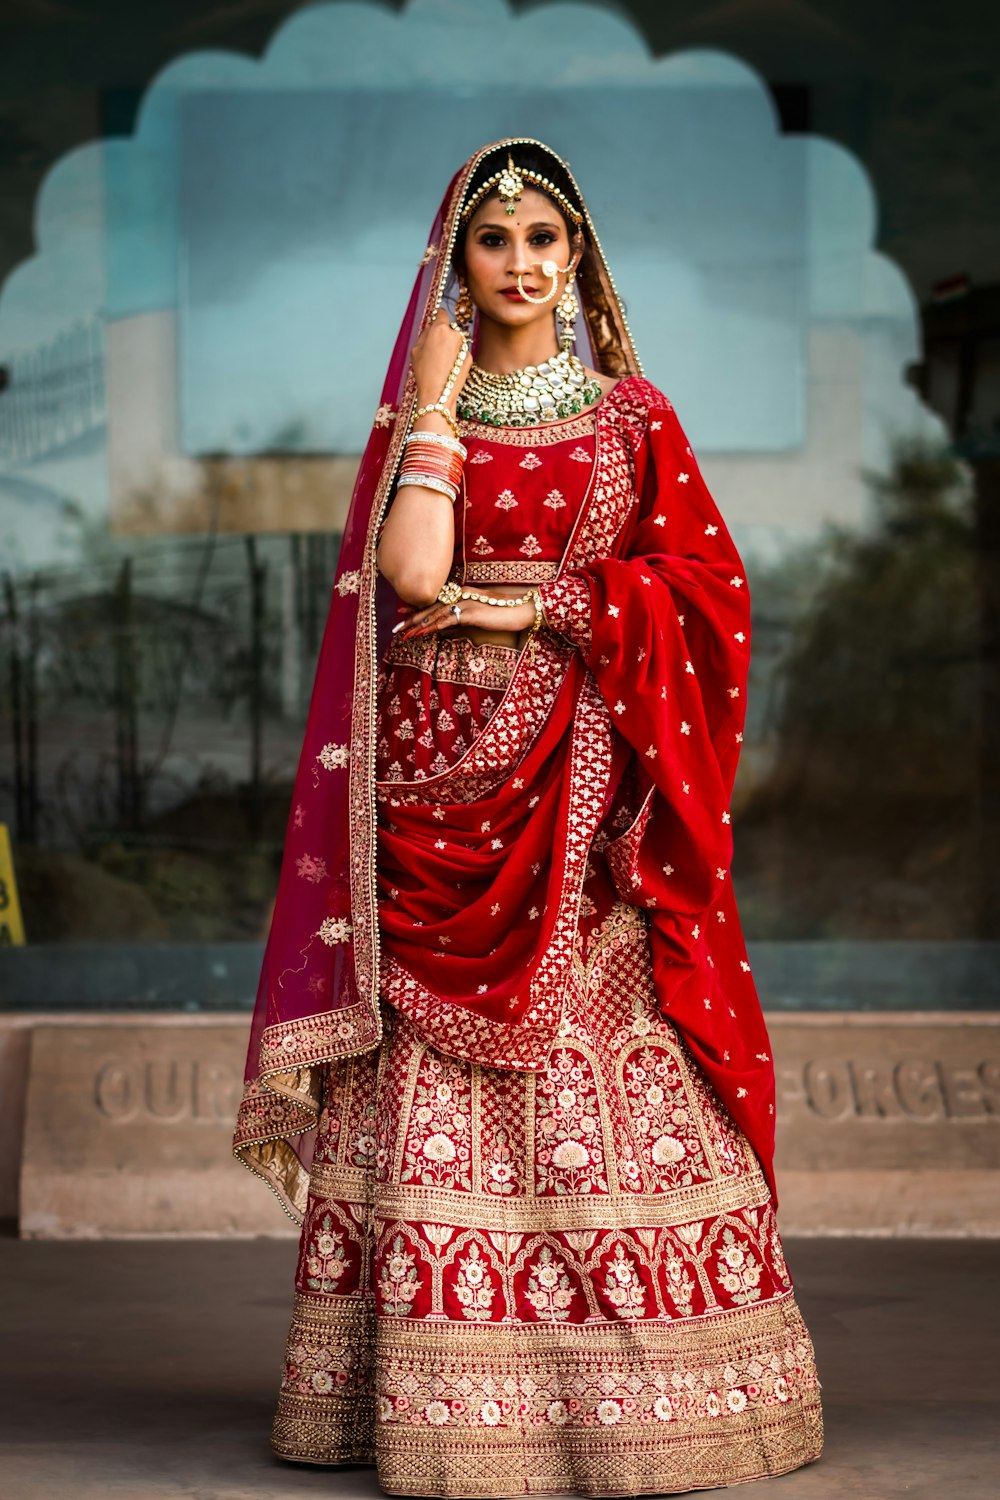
[521, 502]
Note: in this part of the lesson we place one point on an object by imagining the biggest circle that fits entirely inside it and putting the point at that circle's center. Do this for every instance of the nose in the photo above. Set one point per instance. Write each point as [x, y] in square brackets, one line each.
[521, 267]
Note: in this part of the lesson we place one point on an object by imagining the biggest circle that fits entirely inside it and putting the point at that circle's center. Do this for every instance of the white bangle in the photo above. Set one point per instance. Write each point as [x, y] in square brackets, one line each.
[429, 482]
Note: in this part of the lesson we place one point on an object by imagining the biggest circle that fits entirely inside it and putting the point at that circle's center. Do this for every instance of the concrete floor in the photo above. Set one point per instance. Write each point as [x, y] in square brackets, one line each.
[147, 1370]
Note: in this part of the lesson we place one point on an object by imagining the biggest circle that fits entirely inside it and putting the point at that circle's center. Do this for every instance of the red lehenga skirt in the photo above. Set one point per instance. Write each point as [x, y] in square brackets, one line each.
[513, 1283]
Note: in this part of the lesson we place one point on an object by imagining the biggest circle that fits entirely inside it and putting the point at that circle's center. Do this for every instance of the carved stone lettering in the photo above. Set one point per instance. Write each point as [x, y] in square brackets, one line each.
[115, 1092]
[963, 1092]
[990, 1074]
[166, 1090]
[827, 1090]
[918, 1088]
[913, 1089]
[128, 1130]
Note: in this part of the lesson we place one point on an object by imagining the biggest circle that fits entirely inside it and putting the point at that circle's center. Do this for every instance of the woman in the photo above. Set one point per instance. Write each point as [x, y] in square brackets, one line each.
[508, 1067]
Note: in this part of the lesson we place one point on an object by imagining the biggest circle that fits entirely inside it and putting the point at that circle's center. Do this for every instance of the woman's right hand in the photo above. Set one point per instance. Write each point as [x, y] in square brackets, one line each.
[432, 358]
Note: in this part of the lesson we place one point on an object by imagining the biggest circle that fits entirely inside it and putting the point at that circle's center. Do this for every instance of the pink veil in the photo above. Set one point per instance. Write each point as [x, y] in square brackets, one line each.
[318, 995]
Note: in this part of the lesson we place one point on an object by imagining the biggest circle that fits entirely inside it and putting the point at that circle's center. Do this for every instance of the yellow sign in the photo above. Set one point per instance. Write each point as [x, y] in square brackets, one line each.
[11, 924]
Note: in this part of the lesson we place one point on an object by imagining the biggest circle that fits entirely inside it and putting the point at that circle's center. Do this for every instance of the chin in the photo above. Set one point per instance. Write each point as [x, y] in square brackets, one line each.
[516, 314]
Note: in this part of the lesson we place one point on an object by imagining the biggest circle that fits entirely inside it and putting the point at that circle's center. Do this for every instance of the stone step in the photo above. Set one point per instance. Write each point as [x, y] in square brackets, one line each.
[887, 1125]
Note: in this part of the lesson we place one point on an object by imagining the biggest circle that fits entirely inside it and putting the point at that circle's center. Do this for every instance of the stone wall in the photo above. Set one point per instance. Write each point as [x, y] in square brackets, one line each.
[121, 1126]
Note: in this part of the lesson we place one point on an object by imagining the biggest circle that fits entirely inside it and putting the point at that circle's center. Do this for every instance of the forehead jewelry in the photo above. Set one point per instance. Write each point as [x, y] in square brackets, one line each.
[510, 183]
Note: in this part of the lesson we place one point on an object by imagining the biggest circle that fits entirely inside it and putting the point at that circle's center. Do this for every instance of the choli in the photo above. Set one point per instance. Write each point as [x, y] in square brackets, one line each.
[520, 520]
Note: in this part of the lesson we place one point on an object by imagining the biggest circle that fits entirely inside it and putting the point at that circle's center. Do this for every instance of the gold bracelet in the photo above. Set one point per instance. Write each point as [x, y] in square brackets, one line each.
[452, 591]
[445, 411]
[505, 603]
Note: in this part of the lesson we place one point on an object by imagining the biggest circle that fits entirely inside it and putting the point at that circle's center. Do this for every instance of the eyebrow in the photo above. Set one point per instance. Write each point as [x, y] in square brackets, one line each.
[541, 224]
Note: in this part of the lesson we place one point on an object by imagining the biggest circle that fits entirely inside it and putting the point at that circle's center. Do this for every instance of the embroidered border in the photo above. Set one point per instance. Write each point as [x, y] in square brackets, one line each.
[415, 1203]
[284, 1100]
[511, 570]
[457, 658]
[535, 437]
[601, 1409]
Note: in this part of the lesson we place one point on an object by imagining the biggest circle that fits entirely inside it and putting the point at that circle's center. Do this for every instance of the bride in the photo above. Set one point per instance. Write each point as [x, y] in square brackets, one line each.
[508, 1068]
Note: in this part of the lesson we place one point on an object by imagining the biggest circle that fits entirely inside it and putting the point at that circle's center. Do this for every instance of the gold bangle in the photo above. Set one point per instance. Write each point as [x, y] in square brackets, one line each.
[439, 406]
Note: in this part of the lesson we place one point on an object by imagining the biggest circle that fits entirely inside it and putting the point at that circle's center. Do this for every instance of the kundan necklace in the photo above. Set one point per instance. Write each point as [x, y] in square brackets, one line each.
[559, 387]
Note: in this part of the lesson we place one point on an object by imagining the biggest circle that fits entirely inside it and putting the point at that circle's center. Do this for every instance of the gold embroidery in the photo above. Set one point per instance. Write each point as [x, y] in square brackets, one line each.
[607, 1408]
[532, 437]
[513, 570]
[456, 658]
[655, 1341]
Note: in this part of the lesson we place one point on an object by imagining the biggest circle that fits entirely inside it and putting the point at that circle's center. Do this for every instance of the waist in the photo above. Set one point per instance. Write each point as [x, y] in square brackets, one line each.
[452, 657]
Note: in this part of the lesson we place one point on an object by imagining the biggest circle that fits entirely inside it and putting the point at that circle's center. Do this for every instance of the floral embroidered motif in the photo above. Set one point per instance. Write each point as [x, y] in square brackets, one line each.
[739, 1270]
[438, 1150]
[665, 1132]
[505, 500]
[311, 867]
[571, 1158]
[530, 546]
[550, 1291]
[474, 1286]
[679, 1283]
[326, 1258]
[530, 461]
[623, 1285]
[335, 930]
[333, 757]
[399, 1281]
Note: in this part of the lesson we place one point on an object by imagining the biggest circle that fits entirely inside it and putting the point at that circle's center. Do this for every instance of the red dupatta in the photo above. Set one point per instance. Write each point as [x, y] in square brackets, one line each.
[651, 667]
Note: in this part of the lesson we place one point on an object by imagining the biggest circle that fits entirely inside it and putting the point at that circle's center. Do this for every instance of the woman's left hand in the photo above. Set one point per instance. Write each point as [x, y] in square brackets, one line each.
[438, 616]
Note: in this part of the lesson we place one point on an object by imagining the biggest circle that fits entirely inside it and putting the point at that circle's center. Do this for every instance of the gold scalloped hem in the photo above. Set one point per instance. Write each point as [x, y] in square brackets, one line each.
[599, 1409]
[283, 1101]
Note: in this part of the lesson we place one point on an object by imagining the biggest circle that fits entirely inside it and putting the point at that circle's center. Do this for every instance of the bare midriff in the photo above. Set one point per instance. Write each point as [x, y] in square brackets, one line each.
[480, 635]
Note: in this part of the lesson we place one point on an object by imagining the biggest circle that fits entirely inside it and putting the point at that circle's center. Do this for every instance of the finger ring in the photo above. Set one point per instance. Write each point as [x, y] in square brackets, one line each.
[456, 610]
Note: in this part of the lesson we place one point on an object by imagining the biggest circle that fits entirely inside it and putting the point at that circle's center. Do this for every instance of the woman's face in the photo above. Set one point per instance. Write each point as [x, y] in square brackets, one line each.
[500, 246]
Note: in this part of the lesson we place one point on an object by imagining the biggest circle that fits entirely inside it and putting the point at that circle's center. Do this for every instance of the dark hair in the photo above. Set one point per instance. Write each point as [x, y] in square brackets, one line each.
[532, 159]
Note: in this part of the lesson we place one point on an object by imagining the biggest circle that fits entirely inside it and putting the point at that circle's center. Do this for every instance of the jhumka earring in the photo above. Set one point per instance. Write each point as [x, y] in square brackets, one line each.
[567, 311]
[464, 308]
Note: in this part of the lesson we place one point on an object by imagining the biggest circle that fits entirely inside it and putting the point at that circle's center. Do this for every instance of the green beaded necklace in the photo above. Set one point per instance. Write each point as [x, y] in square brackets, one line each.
[560, 387]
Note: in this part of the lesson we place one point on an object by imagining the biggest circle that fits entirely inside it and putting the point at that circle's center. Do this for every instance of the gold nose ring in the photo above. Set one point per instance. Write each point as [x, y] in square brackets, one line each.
[550, 269]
